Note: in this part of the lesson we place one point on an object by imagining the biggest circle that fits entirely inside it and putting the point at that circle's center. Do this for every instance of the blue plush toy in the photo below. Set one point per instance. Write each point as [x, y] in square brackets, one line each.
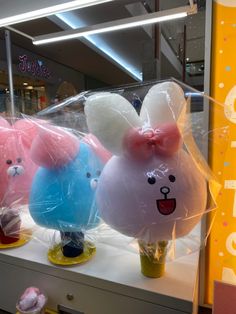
[63, 189]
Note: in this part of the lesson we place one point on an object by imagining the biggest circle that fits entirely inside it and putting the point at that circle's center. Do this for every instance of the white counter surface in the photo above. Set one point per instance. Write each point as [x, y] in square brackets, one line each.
[116, 270]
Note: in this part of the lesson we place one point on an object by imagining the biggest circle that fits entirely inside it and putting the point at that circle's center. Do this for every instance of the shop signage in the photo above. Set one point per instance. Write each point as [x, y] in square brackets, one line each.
[34, 67]
[221, 253]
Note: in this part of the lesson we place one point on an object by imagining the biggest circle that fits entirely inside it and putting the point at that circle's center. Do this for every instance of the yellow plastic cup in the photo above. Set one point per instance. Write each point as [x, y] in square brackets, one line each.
[152, 258]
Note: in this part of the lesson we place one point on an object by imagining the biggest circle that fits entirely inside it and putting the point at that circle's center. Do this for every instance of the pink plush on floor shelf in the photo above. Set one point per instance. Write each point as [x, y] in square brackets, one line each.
[31, 302]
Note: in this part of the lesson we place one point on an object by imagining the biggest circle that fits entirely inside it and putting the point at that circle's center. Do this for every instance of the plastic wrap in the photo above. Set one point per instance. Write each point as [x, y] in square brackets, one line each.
[16, 173]
[63, 189]
[158, 186]
[32, 301]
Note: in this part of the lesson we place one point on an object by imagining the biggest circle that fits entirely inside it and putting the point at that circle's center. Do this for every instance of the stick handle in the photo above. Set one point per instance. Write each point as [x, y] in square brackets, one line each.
[152, 258]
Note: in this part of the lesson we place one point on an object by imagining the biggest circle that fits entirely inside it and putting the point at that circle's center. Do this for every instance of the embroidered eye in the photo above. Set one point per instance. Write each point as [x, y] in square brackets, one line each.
[151, 180]
[9, 162]
[172, 178]
[19, 160]
[88, 175]
[98, 173]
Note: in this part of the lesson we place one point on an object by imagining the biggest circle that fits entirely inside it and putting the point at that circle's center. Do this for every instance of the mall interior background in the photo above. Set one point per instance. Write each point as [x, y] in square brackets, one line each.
[44, 75]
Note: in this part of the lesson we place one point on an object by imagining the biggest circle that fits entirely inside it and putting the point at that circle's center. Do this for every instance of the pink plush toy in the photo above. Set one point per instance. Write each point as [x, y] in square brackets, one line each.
[16, 167]
[152, 189]
[32, 301]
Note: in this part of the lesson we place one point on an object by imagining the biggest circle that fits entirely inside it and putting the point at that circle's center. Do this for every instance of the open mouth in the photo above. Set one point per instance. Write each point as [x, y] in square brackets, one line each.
[166, 206]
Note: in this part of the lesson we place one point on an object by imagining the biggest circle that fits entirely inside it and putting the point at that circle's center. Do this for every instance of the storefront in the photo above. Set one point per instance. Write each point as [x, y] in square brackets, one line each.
[38, 82]
[30, 94]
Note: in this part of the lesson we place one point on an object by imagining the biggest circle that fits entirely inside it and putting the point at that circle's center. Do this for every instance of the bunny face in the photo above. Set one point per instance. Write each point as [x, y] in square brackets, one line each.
[16, 167]
[152, 189]
[63, 193]
[152, 200]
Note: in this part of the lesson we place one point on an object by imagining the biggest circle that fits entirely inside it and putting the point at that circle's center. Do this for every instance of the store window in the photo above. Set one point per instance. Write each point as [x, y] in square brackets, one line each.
[30, 95]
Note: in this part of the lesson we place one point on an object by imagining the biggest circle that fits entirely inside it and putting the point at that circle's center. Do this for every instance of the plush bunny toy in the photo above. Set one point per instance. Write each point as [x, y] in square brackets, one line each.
[152, 189]
[16, 173]
[62, 195]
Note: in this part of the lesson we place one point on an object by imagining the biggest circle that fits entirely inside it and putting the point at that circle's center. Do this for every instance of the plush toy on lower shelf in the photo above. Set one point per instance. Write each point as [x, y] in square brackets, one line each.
[32, 301]
[152, 189]
[62, 195]
[16, 172]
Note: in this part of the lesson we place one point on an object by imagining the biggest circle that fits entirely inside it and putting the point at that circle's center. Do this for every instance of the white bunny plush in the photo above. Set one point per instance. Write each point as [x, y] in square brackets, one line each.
[151, 189]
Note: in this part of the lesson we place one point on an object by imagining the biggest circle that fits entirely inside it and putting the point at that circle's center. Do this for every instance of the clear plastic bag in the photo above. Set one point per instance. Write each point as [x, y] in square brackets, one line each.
[63, 190]
[32, 301]
[158, 186]
[17, 170]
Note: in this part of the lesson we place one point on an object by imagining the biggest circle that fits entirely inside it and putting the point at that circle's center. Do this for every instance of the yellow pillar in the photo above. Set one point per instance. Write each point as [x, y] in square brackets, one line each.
[221, 250]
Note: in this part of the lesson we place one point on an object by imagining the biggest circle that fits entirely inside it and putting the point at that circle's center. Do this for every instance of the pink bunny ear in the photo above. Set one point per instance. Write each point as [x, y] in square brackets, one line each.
[98, 148]
[4, 123]
[54, 147]
[27, 130]
[164, 140]
[25, 125]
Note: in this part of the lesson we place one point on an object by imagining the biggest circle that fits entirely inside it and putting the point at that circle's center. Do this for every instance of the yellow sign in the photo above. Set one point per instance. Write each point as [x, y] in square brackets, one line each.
[221, 251]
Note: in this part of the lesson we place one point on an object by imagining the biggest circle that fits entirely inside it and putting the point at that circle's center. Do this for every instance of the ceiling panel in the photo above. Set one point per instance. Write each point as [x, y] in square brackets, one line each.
[74, 54]
[78, 53]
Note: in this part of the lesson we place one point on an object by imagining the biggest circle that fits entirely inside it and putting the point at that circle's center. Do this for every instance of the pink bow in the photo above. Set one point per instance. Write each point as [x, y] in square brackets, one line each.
[165, 140]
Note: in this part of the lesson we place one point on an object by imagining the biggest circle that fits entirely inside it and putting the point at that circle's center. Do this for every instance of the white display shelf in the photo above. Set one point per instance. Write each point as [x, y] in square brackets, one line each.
[110, 283]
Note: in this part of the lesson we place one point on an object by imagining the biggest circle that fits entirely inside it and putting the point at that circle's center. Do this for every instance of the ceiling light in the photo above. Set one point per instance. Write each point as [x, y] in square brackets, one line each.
[187, 59]
[101, 45]
[25, 84]
[135, 21]
[50, 10]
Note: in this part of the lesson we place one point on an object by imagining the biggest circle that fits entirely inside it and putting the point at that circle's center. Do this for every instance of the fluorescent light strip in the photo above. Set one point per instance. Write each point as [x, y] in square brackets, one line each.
[67, 6]
[151, 18]
[74, 22]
